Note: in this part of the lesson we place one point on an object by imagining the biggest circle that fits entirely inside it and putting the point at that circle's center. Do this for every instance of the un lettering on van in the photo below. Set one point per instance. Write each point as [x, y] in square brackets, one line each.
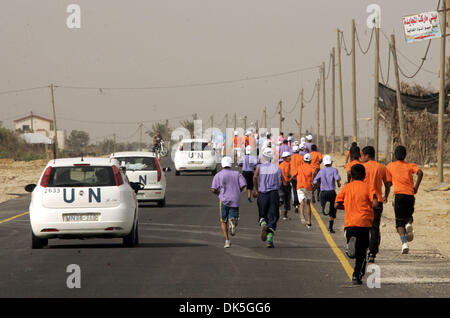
[143, 179]
[195, 155]
[93, 195]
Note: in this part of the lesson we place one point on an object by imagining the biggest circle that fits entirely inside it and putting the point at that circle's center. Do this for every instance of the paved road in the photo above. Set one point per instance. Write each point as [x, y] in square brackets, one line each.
[181, 255]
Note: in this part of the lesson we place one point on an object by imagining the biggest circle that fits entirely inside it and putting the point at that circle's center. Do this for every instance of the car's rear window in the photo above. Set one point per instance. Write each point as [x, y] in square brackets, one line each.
[139, 163]
[196, 146]
[84, 176]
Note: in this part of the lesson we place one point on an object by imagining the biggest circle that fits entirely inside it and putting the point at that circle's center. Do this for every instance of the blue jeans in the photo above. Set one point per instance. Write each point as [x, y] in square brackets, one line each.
[269, 209]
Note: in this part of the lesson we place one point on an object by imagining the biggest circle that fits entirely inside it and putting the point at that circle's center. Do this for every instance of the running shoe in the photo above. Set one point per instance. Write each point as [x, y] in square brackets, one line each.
[308, 226]
[371, 258]
[250, 200]
[285, 216]
[350, 248]
[227, 244]
[326, 210]
[269, 244]
[409, 232]
[356, 280]
[331, 230]
[296, 209]
[263, 231]
[405, 248]
[232, 224]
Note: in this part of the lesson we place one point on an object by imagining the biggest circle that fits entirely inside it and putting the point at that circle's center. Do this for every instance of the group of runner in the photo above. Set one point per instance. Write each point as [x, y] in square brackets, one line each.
[290, 173]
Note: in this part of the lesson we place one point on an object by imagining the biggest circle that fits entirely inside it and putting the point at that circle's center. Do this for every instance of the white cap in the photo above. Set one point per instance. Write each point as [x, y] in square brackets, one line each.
[226, 162]
[302, 145]
[307, 157]
[248, 133]
[327, 160]
[236, 133]
[279, 142]
[268, 153]
[296, 143]
[309, 137]
[302, 140]
[285, 154]
[248, 150]
[296, 148]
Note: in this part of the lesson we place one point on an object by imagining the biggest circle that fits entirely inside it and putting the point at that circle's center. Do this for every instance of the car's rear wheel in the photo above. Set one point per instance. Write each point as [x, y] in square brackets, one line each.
[132, 239]
[177, 172]
[162, 203]
[37, 242]
[213, 173]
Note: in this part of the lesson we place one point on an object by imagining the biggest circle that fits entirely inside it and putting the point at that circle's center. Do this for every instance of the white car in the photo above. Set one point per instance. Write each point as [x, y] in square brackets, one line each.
[83, 198]
[195, 155]
[144, 167]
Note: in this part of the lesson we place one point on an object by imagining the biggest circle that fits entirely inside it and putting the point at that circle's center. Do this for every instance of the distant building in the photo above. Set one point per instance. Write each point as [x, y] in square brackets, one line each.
[41, 125]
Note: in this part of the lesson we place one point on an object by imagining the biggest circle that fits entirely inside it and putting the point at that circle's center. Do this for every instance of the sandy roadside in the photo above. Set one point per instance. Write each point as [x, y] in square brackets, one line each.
[431, 216]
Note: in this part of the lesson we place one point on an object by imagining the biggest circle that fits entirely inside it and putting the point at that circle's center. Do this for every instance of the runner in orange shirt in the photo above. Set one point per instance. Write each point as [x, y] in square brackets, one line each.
[296, 161]
[316, 160]
[285, 167]
[305, 175]
[355, 154]
[404, 190]
[376, 175]
[358, 199]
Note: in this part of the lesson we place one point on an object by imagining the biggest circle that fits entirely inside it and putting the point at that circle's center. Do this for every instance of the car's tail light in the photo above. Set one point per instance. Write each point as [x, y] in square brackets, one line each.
[158, 168]
[46, 177]
[117, 176]
[181, 147]
[81, 164]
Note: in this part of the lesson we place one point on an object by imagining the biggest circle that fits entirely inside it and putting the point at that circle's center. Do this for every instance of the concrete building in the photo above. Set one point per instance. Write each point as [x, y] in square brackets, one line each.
[41, 125]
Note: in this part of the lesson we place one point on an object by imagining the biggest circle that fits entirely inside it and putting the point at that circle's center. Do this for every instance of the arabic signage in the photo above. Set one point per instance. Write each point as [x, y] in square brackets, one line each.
[423, 26]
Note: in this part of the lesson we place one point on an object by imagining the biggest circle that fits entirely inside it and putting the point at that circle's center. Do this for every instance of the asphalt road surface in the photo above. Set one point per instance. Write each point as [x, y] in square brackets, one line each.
[181, 254]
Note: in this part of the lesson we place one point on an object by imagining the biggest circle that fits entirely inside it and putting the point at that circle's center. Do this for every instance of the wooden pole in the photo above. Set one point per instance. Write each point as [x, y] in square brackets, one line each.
[341, 96]
[235, 124]
[114, 146]
[376, 117]
[318, 114]
[281, 115]
[442, 94]
[140, 137]
[333, 101]
[226, 121]
[265, 117]
[399, 100]
[55, 137]
[301, 116]
[324, 100]
[355, 120]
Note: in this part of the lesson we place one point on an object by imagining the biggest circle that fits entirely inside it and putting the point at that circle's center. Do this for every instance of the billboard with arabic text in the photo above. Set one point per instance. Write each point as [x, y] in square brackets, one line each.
[423, 26]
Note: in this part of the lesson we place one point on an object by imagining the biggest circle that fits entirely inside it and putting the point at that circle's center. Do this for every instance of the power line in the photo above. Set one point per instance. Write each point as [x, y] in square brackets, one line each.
[251, 78]
[364, 52]
[345, 45]
[313, 94]
[22, 90]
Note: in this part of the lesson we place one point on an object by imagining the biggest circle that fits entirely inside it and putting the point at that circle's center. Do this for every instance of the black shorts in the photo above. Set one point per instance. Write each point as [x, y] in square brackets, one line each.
[248, 176]
[404, 209]
[329, 196]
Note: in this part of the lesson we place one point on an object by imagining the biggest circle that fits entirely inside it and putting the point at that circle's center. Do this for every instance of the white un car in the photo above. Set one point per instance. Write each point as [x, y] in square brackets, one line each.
[145, 168]
[195, 155]
[83, 198]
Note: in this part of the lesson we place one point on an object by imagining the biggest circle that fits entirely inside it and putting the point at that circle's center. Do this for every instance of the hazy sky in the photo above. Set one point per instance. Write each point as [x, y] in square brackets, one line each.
[146, 43]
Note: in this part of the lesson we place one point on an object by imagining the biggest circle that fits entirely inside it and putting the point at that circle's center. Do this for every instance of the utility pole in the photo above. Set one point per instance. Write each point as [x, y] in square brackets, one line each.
[234, 121]
[301, 116]
[265, 117]
[31, 122]
[257, 126]
[341, 96]
[114, 145]
[399, 99]
[212, 121]
[324, 109]
[376, 117]
[140, 136]
[55, 138]
[281, 116]
[245, 123]
[318, 113]
[333, 101]
[442, 94]
[355, 121]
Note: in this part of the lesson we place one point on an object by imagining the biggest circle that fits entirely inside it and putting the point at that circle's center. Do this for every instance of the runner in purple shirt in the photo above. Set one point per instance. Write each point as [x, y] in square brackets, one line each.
[228, 185]
[267, 182]
[328, 177]
[285, 148]
[248, 164]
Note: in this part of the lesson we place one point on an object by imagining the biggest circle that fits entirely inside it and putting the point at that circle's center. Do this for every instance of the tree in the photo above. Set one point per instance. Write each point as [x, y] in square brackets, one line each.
[189, 125]
[162, 128]
[77, 141]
